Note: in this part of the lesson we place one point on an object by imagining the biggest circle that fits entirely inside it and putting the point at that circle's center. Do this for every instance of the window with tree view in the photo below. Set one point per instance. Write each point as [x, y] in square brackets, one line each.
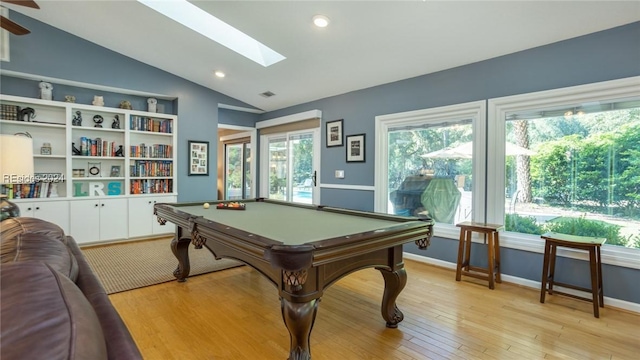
[575, 171]
[430, 170]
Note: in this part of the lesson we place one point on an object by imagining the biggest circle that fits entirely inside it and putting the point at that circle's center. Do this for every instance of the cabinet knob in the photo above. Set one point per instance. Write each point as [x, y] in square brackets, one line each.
[29, 209]
[37, 207]
[102, 205]
[96, 205]
[149, 201]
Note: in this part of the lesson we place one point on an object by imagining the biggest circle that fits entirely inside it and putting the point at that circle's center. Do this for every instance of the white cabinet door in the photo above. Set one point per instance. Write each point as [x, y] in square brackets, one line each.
[56, 212]
[99, 220]
[85, 220]
[113, 219]
[142, 222]
[139, 215]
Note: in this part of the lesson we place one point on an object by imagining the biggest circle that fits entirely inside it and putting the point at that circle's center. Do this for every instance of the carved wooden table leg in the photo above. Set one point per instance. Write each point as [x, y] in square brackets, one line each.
[180, 249]
[299, 319]
[394, 282]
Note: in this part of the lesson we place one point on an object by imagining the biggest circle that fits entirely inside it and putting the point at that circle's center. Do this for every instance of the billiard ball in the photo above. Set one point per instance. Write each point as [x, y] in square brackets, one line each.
[205, 205]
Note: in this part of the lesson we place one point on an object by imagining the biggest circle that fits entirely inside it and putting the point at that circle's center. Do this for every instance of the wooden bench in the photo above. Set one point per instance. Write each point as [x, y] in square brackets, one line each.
[591, 245]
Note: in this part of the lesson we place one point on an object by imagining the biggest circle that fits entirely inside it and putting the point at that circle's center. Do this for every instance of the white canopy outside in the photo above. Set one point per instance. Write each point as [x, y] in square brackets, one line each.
[465, 151]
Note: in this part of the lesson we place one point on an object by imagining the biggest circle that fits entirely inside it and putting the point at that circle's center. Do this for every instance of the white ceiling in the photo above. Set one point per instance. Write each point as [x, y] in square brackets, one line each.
[367, 43]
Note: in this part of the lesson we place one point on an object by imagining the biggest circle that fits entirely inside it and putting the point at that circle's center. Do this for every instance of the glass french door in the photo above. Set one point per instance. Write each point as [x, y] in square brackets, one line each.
[290, 166]
[237, 171]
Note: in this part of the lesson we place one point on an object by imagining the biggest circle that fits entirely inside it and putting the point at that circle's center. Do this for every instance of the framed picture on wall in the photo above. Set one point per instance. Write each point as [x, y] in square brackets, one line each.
[355, 148]
[334, 133]
[198, 157]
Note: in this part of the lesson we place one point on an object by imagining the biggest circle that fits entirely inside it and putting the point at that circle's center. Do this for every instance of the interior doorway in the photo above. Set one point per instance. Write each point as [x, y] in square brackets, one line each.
[236, 164]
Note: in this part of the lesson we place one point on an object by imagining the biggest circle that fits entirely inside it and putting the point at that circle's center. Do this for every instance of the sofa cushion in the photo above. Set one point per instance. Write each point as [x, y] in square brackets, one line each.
[31, 239]
[43, 312]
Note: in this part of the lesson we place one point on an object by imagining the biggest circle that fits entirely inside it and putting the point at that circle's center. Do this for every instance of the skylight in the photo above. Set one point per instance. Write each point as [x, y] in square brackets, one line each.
[215, 29]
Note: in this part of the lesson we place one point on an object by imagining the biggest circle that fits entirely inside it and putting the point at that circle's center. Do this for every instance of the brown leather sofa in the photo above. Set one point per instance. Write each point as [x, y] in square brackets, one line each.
[52, 304]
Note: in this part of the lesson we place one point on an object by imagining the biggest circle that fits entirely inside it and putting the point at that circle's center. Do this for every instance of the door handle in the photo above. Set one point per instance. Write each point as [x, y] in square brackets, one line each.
[314, 176]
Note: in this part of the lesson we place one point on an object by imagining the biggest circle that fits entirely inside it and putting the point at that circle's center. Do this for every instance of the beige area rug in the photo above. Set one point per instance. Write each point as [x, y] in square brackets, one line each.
[136, 264]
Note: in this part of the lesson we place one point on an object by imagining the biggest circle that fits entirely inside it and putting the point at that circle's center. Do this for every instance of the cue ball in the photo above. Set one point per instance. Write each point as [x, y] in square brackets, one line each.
[206, 205]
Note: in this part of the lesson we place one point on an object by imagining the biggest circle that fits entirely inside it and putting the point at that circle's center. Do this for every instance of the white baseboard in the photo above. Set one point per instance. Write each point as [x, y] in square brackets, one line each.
[617, 303]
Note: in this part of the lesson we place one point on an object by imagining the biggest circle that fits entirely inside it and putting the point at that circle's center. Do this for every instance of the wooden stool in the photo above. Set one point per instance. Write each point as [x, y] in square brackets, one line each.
[493, 249]
[590, 244]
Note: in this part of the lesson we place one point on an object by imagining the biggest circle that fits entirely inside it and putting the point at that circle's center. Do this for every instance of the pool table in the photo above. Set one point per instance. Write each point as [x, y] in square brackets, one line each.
[302, 249]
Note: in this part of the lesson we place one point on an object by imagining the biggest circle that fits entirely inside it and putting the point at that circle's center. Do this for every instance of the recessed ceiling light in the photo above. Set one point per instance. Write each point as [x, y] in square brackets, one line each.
[219, 74]
[320, 21]
[215, 29]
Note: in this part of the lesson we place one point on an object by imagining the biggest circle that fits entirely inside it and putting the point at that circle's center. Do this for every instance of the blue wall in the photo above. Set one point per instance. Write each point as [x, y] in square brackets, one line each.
[606, 55]
[50, 52]
[601, 56]
[239, 118]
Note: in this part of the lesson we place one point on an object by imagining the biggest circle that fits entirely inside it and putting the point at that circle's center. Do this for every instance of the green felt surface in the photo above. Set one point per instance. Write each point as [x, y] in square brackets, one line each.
[287, 224]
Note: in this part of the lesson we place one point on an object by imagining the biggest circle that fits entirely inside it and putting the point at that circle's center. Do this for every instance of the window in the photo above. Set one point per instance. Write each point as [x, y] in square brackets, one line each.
[568, 161]
[290, 169]
[291, 162]
[427, 163]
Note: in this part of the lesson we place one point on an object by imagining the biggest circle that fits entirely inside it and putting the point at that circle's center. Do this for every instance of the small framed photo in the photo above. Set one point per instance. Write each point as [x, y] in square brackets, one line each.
[355, 148]
[115, 171]
[198, 157]
[334, 133]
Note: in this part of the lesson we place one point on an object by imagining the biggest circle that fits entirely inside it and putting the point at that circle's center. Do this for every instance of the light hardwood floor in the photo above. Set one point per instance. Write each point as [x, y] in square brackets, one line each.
[235, 314]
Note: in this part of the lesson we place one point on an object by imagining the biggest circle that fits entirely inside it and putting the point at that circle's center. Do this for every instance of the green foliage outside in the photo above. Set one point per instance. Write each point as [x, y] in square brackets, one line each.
[599, 173]
[522, 224]
[584, 227]
[407, 146]
[303, 161]
[588, 163]
[234, 170]
[572, 226]
[302, 166]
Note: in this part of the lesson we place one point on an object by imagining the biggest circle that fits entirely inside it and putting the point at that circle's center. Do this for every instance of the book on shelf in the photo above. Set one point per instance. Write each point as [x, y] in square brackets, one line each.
[152, 168]
[151, 186]
[97, 147]
[143, 123]
[35, 190]
[160, 151]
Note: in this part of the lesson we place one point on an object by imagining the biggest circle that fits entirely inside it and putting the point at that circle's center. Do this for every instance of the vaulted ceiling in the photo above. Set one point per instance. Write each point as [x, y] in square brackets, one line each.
[367, 43]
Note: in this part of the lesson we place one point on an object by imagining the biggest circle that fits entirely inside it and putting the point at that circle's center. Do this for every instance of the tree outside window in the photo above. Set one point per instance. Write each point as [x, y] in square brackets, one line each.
[584, 178]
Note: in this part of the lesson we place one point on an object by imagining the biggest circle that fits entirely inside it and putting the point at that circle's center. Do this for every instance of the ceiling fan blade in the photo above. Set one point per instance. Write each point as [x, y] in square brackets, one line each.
[28, 3]
[12, 27]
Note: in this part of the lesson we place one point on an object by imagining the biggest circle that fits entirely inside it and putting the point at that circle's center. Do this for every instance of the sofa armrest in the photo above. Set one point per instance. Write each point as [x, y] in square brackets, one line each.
[120, 343]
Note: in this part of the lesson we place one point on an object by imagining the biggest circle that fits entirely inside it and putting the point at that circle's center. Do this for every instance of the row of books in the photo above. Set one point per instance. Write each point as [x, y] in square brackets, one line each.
[151, 186]
[141, 123]
[97, 147]
[152, 151]
[28, 191]
[149, 168]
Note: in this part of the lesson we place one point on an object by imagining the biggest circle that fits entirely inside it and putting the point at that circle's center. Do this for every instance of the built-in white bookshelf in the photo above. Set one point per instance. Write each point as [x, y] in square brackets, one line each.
[88, 157]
